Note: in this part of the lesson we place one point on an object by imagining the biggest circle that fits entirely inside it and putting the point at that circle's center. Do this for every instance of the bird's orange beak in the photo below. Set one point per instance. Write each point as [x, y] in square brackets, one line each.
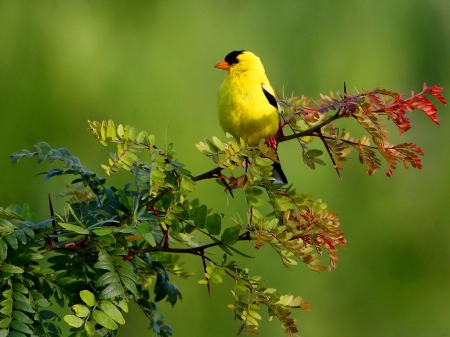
[222, 65]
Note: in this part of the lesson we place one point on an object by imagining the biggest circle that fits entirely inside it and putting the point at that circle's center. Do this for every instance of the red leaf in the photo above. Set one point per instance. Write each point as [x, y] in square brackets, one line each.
[435, 91]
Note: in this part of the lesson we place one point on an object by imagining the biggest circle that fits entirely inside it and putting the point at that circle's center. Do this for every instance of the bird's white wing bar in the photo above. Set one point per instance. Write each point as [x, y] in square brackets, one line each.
[269, 95]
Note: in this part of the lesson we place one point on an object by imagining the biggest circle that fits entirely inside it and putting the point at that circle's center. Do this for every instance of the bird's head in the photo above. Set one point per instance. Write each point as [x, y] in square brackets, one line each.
[240, 61]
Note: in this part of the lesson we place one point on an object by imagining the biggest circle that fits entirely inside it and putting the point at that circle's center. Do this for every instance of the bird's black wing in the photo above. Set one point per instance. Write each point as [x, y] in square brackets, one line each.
[271, 98]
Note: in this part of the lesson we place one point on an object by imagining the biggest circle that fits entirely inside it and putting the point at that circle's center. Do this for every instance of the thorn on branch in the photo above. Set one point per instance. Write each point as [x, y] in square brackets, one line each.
[245, 236]
[202, 254]
[215, 173]
[52, 213]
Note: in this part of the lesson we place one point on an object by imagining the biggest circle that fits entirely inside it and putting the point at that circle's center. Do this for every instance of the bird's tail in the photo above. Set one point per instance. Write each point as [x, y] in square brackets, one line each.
[278, 174]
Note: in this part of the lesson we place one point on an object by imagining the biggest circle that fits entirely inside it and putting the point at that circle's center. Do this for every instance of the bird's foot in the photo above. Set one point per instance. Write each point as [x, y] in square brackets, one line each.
[272, 142]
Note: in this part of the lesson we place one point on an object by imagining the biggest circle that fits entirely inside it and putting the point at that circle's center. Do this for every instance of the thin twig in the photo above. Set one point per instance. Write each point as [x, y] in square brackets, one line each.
[191, 250]
[309, 131]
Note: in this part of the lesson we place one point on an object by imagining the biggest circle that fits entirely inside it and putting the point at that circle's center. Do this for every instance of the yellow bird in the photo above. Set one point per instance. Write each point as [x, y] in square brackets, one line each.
[247, 105]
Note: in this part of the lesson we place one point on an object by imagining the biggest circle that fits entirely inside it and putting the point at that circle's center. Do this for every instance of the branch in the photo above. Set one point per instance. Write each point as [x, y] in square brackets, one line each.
[215, 173]
[311, 130]
[208, 175]
[192, 250]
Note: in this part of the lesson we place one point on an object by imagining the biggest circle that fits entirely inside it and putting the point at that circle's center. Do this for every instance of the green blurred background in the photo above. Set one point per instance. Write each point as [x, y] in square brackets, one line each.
[150, 64]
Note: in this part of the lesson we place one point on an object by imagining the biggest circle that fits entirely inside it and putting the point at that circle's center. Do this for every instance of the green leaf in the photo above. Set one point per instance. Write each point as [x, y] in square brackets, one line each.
[216, 278]
[19, 297]
[145, 230]
[47, 314]
[319, 161]
[107, 278]
[127, 229]
[3, 250]
[20, 316]
[74, 228]
[74, 321]
[20, 326]
[104, 320]
[132, 133]
[151, 140]
[21, 236]
[6, 227]
[314, 153]
[43, 302]
[263, 161]
[187, 184]
[255, 201]
[250, 320]
[104, 261]
[80, 310]
[209, 146]
[4, 323]
[11, 239]
[104, 264]
[283, 203]
[111, 131]
[10, 268]
[128, 271]
[6, 306]
[8, 292]
[16, 334]
[272, 224]
[112, 290]
[23, 306]
[123, 304]
[175, 225]
[230, 236]
[16, 157]
[36, 295]
[254, 314]
[109, 239]
[112, 311]
[141, 136]
[20, 288]
[89, 327]
[78, 221]
[88, 297]
[26, 213]
[200, 216]
[120, 131]
[213, 224]
[254, 191]
[156, 173]
[103, 231]
[130, 285]
[218, 143]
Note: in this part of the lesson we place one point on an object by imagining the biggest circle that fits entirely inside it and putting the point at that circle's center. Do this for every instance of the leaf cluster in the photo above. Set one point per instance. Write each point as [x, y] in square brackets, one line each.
[112, 245]
[310, 120]
[298, 228]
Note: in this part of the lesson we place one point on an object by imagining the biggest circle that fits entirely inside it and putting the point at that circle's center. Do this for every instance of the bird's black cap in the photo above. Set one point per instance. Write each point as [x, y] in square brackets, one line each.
[231, 58]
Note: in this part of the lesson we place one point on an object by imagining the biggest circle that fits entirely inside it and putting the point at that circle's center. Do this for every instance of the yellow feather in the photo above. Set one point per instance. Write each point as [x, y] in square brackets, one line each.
[244, 111]
[247, 106]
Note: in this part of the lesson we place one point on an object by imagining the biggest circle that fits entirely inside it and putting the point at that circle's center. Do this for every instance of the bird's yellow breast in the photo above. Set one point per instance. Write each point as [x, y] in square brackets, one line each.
[244, 111]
